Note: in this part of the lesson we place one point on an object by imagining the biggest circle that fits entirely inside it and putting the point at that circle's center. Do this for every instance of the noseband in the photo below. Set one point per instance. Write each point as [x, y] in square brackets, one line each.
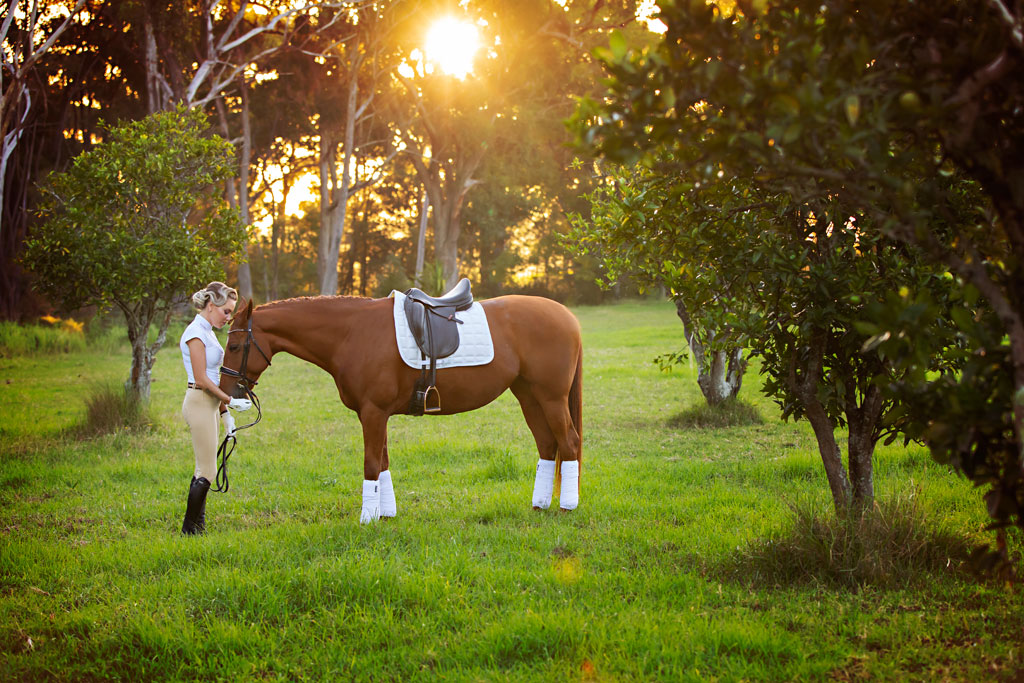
[248, 384]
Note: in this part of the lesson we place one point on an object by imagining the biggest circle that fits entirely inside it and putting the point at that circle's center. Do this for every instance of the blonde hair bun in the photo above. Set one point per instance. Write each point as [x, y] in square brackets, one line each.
[217, 292]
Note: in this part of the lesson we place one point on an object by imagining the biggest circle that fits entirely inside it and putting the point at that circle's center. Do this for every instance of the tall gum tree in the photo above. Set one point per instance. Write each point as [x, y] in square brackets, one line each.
[215, 46]
[530, 60]
[29, 30]
[350, 129]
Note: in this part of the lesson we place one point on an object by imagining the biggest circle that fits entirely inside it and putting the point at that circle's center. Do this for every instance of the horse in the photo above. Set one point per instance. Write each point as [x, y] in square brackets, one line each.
[538, 354]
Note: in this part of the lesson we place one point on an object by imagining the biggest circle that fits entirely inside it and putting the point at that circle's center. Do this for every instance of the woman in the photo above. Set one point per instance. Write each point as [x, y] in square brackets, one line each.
[202, 355]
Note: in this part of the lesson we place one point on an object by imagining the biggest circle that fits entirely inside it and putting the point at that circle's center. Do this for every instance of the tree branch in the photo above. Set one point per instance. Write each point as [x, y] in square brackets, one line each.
[1015, 25]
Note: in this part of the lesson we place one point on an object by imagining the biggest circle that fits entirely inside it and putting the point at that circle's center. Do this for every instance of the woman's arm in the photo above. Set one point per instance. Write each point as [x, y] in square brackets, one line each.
[197, 352]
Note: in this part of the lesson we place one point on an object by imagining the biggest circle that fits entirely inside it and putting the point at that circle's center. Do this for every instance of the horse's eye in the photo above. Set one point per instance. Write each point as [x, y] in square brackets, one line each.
[232, 347]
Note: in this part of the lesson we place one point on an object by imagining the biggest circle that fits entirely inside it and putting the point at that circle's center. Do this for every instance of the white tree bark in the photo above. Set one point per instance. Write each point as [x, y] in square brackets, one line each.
[719, 378]
[16, 64]
[421, 239]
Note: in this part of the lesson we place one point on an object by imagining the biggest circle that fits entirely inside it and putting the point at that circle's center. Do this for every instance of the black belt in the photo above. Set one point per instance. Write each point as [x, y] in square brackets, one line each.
[193, 385]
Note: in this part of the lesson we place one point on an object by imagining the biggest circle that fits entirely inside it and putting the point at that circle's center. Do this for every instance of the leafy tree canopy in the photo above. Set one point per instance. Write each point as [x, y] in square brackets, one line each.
[776, 162]
[132, 224]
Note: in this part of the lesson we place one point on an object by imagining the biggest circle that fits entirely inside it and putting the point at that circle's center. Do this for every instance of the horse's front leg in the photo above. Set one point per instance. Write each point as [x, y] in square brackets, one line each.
[378, 492]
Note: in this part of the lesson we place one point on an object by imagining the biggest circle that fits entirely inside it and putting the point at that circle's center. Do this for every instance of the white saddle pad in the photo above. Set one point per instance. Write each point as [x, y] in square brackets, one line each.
[475, 345]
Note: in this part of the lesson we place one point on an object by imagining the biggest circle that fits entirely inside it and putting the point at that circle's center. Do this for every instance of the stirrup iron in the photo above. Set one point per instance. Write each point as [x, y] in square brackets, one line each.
[427, 407]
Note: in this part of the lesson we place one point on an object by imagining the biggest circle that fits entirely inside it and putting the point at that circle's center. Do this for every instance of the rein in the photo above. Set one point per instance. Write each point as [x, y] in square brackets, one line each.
[248, 385]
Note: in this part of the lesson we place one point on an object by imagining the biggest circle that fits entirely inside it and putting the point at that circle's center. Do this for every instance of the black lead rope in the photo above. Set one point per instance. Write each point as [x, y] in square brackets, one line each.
[225, 451]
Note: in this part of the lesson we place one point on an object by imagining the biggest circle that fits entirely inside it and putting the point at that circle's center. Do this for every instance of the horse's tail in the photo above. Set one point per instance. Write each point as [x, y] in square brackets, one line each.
[576, 402]
[576, 414]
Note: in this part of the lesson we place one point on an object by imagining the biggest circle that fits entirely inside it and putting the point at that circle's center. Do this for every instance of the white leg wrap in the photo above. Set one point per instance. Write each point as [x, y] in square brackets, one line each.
[569, 498]
[387, 495]
[544, 484]
[371, 502]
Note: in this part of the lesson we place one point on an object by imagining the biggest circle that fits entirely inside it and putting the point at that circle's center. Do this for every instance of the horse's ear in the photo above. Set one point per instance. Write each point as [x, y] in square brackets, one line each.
[248, 308]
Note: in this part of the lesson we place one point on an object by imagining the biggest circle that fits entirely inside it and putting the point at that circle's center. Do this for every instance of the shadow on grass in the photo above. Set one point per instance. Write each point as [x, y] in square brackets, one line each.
[731, 413]
[888, 545]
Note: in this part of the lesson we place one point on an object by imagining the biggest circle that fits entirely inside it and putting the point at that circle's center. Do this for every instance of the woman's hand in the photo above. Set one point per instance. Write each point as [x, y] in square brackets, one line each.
[240, 404]
[229, 423]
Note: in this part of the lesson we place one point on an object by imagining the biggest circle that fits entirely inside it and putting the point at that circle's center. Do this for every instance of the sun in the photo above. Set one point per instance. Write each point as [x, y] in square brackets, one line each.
[451, 45]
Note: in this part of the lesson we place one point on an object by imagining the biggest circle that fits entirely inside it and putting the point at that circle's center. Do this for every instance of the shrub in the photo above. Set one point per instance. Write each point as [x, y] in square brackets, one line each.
[112, 408]
[888, 544]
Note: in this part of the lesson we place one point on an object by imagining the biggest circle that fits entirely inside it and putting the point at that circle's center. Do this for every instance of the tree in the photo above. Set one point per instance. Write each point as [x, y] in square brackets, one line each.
[626, 212]
[793, 256]
[122, 227]
[891, 105]
[361, 60]
[788, 277]
[28, 34]
[36, 31]
[534, 53]
[219, 44]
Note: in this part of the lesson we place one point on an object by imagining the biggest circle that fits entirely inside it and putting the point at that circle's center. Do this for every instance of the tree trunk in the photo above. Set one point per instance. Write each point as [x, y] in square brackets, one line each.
[142, 364]
[448, 257]
[340, 197]
[244, 272]
[421, 240]
[863, 422]
[725, 378]
[861, 447]
[326, 159]
[447, 228]
[446, 196]
[721, 380]
[138, 321]
[155, 97]
[831, 457]
[806, 388]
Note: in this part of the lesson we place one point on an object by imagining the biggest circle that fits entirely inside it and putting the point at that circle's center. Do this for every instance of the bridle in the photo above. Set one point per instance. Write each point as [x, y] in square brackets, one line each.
[248, 385]
[246, 382]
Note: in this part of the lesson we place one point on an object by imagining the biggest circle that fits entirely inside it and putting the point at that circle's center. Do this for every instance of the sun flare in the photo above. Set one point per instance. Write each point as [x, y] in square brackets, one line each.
[451, 46]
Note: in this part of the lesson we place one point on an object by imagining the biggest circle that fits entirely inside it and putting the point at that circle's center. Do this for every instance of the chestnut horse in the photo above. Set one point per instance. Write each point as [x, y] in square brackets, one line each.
[537, 353]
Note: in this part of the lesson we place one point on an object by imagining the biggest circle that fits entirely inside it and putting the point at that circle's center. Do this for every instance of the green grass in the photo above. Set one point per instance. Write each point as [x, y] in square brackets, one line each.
[731, 413]
[659, 575]
[33, 340]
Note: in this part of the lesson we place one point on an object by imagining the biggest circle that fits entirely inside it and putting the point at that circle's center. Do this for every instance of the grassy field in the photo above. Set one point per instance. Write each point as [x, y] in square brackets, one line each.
[653, 578]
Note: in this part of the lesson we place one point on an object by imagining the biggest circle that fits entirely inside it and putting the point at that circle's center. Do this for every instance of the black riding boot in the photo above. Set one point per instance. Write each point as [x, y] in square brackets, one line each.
[195, 513]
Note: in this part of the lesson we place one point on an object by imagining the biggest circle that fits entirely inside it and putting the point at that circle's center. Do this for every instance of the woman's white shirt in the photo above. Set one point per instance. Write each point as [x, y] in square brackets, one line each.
[201, 329]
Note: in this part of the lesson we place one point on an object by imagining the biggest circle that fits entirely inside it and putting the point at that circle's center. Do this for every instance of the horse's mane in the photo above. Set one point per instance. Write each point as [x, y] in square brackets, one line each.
[312, 299]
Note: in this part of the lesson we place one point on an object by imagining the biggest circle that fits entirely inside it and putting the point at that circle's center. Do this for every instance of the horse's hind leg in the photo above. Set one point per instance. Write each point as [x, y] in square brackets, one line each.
[547, 445]
[559, 419]
[388, 507]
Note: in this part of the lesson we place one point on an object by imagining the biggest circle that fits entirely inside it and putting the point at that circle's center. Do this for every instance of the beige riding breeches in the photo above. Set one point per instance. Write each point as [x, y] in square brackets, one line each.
[201, 412]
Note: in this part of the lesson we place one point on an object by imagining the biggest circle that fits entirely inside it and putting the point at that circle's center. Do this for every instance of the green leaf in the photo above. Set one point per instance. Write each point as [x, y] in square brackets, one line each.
[617, 43]
[962, 318]
[852, 108]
